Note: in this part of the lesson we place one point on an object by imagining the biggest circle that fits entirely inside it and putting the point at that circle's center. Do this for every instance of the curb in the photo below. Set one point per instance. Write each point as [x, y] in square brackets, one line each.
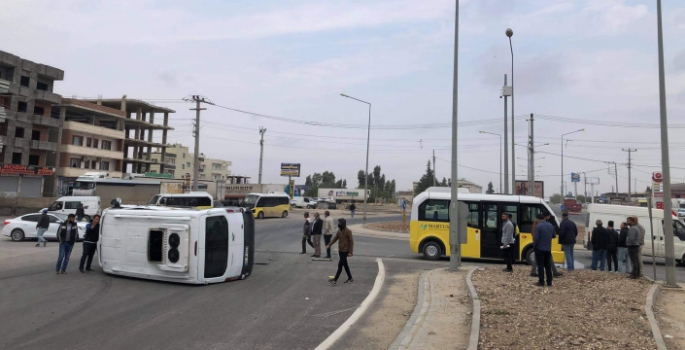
[366, 226]
[420, 310]
[649, 309]
[475, 318]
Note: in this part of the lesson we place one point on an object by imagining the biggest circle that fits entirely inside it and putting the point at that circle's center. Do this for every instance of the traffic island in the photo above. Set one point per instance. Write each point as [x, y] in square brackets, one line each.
[670, 313]
[582, 310]
[390, 226]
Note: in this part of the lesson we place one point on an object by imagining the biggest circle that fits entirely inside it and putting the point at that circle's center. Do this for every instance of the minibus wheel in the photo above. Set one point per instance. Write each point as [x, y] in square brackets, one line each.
[530, 256]
[260, 215]
[285, 214]
[432, 251]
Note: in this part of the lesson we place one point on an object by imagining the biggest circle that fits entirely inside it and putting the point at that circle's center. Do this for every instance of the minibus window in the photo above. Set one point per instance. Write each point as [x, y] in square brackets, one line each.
[216, 246]
[434, 210]
[472, 219]
[529, 213]
[155, 245]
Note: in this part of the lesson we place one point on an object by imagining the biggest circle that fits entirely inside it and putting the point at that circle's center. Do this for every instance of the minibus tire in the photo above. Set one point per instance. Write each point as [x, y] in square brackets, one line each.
[260, 215]
[432, 251]
[285, 214]
[530, 255]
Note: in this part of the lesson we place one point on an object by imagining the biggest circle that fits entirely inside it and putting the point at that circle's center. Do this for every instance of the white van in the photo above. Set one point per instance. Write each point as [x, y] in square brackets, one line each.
[199, 200]
[619, 214]
[303, 202]
[177, 244]
[67, 205]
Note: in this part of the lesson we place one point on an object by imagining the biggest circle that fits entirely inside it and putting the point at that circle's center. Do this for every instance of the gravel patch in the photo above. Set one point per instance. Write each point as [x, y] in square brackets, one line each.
[670, 313]
[582, 310]
[391, 226]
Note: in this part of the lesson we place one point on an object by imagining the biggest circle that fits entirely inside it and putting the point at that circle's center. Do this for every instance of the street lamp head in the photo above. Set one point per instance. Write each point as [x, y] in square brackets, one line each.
[343, 95]
[509, 32]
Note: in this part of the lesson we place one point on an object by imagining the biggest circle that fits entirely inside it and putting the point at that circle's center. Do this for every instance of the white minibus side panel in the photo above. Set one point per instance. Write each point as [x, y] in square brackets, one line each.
[236, 245]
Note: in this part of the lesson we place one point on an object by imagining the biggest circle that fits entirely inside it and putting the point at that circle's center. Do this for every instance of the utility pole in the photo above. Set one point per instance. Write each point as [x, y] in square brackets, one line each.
[531, 159]
[630, 151]
[616, 178]
[506, 94]
[262, 131]
[434, 174]
[585, 182]
[196, 159]
[455, 242]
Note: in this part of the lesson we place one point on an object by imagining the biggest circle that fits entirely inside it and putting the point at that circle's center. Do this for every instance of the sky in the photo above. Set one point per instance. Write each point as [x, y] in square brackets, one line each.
[581, 64]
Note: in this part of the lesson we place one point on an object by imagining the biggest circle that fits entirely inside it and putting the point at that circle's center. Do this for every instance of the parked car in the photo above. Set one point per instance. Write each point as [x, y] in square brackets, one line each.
[681, 213]
[24, 227]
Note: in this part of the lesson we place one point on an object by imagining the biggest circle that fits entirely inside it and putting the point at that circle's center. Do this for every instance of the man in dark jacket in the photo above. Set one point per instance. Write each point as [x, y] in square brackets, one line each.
[612, 248]
[42, 226]
[623, 256]
[90, 243]
[542, 243]
[67, 234]
[306, 233]
[600, 243]
[567, 238]
[534, 267]
[353, 209]
[345, 250]
[317, 229]
[80, 212]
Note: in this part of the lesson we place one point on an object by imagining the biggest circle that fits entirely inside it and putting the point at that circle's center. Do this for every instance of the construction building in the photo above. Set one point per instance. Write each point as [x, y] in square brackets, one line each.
[178, 162]
[29, 135]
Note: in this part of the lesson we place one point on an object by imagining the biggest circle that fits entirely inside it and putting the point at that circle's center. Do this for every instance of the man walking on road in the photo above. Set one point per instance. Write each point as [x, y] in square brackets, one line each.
[67, 236]
[508, 242]
[623, 256]
[642, 243]
[600, 243]
[327, 231]
[542, 243]
[345, 249]
[90, 243]
[612, 248]
[306, 233]
[633, 243]
[42, 226]
[317, 229]
[352, 209]
[567, 238]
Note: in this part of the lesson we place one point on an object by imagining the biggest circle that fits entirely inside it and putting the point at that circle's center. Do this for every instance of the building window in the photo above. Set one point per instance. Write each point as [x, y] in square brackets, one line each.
[183, 166]
[188, 164]
[21, 107]
[89, 142]
[78, 141]
[34, 159]
[154, 160]
[38, 110]
[104, 165]
[16, 158]
[171, 161]
[93, 165]
[202, 176]
[106, 145]
[96, 143]
[85, 164]
[19, 132]
[35, 135]
[42, 86]
[184, 156]
[25, 81]
[75, 162]
[170, 172]
[216, 166]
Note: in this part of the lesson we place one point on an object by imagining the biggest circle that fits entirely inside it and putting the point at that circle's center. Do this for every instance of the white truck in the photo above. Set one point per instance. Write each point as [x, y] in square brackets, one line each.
[341, 195]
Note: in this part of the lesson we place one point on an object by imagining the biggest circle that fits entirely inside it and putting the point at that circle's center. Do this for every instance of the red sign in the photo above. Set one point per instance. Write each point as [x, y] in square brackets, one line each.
[658, 195]
[18, 169]
[657, 176]
[660, 205]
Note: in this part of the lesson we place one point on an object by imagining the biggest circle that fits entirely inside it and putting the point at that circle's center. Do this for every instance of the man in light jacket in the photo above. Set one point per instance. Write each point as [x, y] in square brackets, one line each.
[328, 231]
[633, 243]
[508, 242]
[642, 243]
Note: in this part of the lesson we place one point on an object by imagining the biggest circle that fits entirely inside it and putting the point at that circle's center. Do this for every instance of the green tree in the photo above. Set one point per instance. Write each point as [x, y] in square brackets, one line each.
[490, 189]
[444, 182]
[581, 198]
[426, 180]
[555, 199]
[360, 178]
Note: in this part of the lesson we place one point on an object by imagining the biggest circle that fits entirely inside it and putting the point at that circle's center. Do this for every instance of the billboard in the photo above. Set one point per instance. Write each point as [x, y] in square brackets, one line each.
[290, 169]
[523, 190]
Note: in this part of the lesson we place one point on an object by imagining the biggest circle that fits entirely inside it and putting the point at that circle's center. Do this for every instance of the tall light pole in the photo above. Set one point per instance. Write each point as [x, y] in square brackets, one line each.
[509, 34]
[368, 139]
[665, 160]
[455, 244]
[500, 156]
[562, 160]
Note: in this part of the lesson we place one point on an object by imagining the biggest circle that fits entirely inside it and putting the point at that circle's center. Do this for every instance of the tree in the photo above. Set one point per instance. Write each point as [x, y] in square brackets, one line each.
[555, 199]
[648, 190]
[360, 178]
[426, 180]
[444, 182]
[490, 190]
[581, 198]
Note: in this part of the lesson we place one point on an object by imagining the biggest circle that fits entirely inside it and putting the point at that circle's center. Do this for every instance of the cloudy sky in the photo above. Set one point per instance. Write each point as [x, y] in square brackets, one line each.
[588, 64]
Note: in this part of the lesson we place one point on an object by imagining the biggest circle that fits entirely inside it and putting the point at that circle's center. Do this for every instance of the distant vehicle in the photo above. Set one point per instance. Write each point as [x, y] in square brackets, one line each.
[274, 205]
[572, 205]
[67, 205]
[681, 212]
[199, 200]
[24, 227]
[341, 195]
[303, 202]
[177, 245]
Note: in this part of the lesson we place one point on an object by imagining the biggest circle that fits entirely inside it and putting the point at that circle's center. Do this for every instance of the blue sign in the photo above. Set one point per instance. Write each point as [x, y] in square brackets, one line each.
[575, 177]
[404, 204]
[563, 207]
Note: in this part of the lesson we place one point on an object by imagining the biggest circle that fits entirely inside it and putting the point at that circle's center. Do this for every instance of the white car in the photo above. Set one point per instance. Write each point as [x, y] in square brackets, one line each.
[25, 227]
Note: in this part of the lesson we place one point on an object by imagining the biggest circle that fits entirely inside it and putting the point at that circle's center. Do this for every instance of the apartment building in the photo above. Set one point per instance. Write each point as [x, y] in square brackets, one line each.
[178, 162]
[29, 134]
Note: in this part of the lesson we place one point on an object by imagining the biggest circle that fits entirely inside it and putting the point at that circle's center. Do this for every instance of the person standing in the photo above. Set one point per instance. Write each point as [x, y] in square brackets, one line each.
[542, 244]
[568, 231]
[612, 247]
[508, 242]
[534, 268]
[353, 208]
[345, 250]
[80, 212]
[642, 243]
[600, 243]
[327, 231]
[67, 236]
[90, 243]
[42, 226]
[633, 243]
[623, 256]
[317, 228]
[306, 233]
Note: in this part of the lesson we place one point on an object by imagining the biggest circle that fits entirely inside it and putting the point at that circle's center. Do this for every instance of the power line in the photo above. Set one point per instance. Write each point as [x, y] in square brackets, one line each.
[622, 124]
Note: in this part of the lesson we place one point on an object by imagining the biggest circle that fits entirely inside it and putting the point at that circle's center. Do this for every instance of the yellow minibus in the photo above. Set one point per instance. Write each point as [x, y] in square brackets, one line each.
[268, 205]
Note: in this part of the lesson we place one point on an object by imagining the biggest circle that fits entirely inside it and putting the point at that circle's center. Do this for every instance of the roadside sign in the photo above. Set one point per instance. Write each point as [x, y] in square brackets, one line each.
[575, 177]
[657, 176]
[290, 169]
[660, 205]
[658, 195]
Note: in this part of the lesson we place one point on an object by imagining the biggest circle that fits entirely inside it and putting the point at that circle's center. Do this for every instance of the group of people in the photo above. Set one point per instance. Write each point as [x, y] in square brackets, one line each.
[67, 235]
[316, 227]
[622, 249]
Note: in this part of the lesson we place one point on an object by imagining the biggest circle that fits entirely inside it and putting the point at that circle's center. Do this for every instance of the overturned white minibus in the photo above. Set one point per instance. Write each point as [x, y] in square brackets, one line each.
[177, 245]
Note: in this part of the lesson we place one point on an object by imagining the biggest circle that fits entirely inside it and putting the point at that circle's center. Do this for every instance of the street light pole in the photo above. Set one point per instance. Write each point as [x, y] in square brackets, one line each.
[665, 160]
[500, 157]
[368, 139]
[562, 160]
[455, 246]
[509, 34]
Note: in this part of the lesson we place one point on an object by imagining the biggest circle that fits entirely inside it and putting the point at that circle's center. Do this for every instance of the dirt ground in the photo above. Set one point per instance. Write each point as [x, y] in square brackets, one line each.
[582, 310]
[392, 226]
[670, 313]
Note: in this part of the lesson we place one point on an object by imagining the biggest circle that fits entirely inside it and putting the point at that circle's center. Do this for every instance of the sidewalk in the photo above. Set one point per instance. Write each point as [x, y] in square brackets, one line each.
[442, 317]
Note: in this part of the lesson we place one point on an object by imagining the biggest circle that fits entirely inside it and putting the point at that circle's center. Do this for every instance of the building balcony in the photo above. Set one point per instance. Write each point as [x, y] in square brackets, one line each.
[169, 166]
[46, 121]
[3, 115]
[91, 152]
[94, 130]
[76, 172]
[43, 145]
[47, 96]
[5, 86]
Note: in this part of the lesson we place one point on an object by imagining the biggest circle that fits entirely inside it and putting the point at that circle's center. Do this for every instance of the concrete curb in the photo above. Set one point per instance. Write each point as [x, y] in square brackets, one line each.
[420, 310]
[649, 309]
[366, 227]
[475, 318]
